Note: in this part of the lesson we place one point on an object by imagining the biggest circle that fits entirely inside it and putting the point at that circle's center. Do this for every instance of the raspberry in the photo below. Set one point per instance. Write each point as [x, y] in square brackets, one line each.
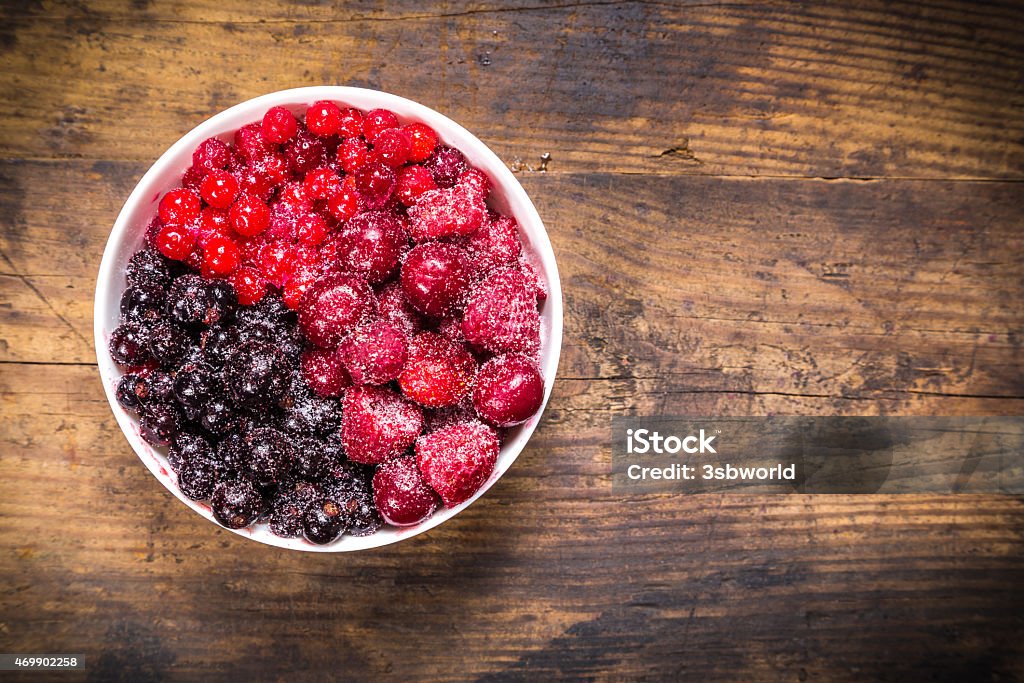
[370, 244]
[446, 211]
[377, 424]
[446, 165]
[324, 372]
[534, 280]
[351, 124]
[220, 256]
[375, 182]
[437, 372]
[391, 148]
[495, 245]
[304, 152]
[400, 494]
[279, 125]
[352, 154]
[219, 189]
[344, 202]
[376, 121]
[374, 353]
[334, 305]
[502, 315]
[422, 141]
[179, 207]
[321, 183]
[435, 278]
[311, 229]
[250, 142]
[249, 216]
[477, 181]
[413, 181]
[323, 118]
[211, 154]
[508, 390]
[393, 307]
[457, 460]
[175, 242]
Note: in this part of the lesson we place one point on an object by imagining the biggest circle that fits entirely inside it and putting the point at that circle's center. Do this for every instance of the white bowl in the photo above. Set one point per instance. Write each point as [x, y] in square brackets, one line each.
[127, 236]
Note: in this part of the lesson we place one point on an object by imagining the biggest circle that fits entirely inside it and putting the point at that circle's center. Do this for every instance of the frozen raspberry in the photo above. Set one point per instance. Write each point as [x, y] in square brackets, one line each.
[220, 257]
[375, 183]
[422, 141]
[179, 207]
[401, 495]
[476, 181]
[377, 424]
[219, 189]
[279, 125]
[274, 262]
[352, 154]
[496, 244]
[508, 390]
[446, 165]
[540, 289]
[249, 285]
[370, 244]
[376, 121]
[437, 372]
[249, 216]
[211, 154]
[413, 181]
[442, 212]
[333, 306]
[502, 315]
[457, 460]
[393, 307]
[436, 278]
[321, 183]
[351, 123]
[451, 329]
[374, 353]
[175, 242]
[325, 372]
[391, 148]
[323, 118]
[304, 152]
[250, 142]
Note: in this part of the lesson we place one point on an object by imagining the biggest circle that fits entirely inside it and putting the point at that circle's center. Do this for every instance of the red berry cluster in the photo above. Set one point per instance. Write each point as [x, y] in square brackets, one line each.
[417, 305]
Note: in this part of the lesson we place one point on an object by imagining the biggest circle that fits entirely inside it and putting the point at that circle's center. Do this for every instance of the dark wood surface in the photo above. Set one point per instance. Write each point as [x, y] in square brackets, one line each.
[757, 208]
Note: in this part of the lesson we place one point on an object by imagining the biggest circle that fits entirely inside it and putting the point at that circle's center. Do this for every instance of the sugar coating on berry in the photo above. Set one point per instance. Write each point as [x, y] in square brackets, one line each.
[437, 371]
[393, 307]
[374, 353]
[333, 306]
[377, 424]
[436, 278]
[324, 372]
[446, 165]
[371, 244]
[495, 245]
[502, 315]
[400, 493]
[446, 211]
[457, 460]
[508, 390]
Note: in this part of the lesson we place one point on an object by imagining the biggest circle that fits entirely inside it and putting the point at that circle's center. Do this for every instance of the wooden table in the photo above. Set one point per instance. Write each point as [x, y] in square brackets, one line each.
[757, 208]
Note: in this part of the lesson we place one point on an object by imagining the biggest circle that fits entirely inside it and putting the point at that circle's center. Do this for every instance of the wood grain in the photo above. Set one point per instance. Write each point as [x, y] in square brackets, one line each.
[756, 208]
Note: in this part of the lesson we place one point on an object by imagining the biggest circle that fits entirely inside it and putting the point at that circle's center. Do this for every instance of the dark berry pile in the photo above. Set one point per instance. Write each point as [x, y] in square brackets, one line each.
[329, 328]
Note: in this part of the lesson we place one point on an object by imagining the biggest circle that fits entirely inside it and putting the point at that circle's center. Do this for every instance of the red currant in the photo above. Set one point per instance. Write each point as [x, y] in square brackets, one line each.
[422, 141]
[344, 202]
[220, 256]
[375, 183]
[175, 242]
[219, 189]
[179, 207]
[279, 125]
[249, 216]
[412, 182]
[320, 183]
[351, 124]
[249, 285]
[377, 120]
[212, 222]
[311, 229]
[352, 154]
[210, 154]
[391, 148]
[274, 262]
[323, 118]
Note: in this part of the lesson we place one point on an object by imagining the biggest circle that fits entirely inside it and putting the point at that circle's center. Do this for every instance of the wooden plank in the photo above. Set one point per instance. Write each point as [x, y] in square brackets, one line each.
[851, 290]
[549, 575]
[883, 89]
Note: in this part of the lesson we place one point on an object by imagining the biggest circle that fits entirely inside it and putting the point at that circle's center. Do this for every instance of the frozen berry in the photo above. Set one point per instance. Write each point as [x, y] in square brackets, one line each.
[352, 154]
[502, 315]
[211, 154]
[321, 183]
[436, 278]
[377, 424]
[257, 374]
[179, 207]
[374, 353]
[148, 268]
[220, 256]
[351, 123]
[412, 182]
[446, 165]
[375, 183]
[194, 387]
[393, 307]
[446, 211]
[279, 125]
[219, 189]
[437, 372]
[159, 424]
[323, 118]
[508, 390]
[270, 455]
[217, 342]
[370, 244]
[250, 142]
[128, 344]
[142, 303]
[304, 152]
[188, 300]
[401, 495]
[376, 121]
[168, 343]
[249, 285]
[188, 448]
[334, 305]
[391, 148]
[324, 522]
[131, 392]
[236, 504]
[249, 216]
[457, 460]
[218, 416]
[477, 182]
[533, 280]
[175, 242]
[422, 141]
[197, 480]
[325, 372]
[343, 203]
[496, 244]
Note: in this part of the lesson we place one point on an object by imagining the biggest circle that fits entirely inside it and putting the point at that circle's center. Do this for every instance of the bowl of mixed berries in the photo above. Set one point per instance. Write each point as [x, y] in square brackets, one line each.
[328, 319]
